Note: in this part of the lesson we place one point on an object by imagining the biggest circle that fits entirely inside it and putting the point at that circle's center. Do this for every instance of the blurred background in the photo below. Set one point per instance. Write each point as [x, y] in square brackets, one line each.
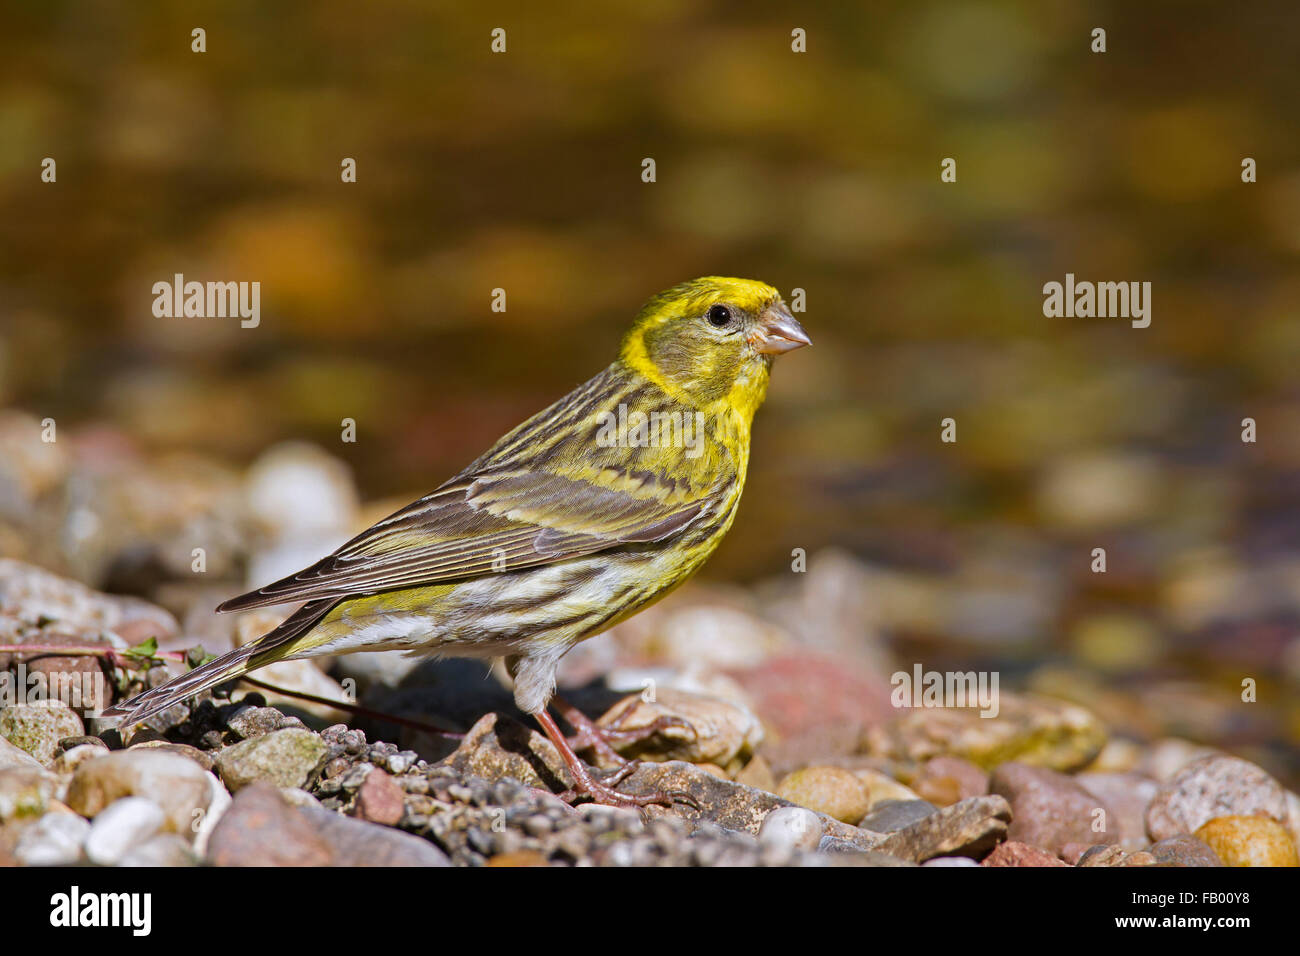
[817, 171]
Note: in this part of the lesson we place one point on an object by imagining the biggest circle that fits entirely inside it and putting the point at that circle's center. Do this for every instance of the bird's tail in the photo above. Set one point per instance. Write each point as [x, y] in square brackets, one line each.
[227, 667]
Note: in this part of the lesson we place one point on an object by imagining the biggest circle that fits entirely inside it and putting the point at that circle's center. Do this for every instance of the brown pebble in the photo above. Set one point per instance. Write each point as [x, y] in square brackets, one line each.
[1140, 858]
[1101, 854]
[757, 774]
[945, 780]
[519, 858]
[261, 829]
[380, 799]
[1013, 853]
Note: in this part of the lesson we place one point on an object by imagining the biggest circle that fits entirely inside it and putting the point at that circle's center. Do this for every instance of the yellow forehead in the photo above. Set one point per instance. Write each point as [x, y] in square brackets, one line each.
[697, 295]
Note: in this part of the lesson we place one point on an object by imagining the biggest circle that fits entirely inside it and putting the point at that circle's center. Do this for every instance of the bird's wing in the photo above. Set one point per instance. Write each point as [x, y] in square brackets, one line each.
[488, 522]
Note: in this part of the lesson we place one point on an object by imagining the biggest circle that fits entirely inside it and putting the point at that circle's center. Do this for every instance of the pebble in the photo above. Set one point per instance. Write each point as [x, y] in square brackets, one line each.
[714, 636]
[12, 757]
[1034, 730]
[379, 799]
[1099, 854]
[833, 791]
[39, 726]
[792, 828]
[881, 786]
[951, 861]
[813, 727]
[203, 825]
[945, 780]
[1127, 795]
[201, 757]
[68, 761]
[969, 828]
[177, 784]
[282, 758]
[843, 852]
[1049, 809]
[40, 595]
[120, 826]
[248, 721]
[1213, 786]
[891, 815]
[165, 849]
[1249, 841]
[55, 839]
[399, 763]
[1184, 850]
[298, 798]
[758, 774]
[519, 858]
[1167, 756]
[1015, 853]
[1112, 854]
[1118, 756]
[261, 829]
[708, 729]
[25, 793]
[353, 842]
[296, 490]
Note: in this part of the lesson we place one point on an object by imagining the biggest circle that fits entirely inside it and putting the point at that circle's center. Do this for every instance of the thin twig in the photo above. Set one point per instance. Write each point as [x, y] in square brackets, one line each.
[355, 709]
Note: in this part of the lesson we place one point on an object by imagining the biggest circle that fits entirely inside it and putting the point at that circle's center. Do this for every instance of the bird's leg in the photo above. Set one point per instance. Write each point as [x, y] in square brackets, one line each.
[586, 785]
[591, 736]
[588, 736]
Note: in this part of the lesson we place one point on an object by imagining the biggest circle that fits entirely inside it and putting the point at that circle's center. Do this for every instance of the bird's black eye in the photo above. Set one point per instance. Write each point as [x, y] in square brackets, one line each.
[719, 316]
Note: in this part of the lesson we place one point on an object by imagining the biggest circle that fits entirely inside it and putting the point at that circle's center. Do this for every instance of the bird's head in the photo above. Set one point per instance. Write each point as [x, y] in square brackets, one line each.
[713, 339]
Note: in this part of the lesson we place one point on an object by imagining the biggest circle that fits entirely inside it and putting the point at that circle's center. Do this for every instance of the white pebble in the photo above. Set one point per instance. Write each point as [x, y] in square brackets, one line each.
[121, 825]
[950, 861]
[203, 824]
[795, 828]
[165, 849]
[53, 840]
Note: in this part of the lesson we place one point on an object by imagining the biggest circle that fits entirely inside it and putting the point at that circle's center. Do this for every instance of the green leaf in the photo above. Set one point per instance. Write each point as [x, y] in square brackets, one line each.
[196, 656]
[145, 649]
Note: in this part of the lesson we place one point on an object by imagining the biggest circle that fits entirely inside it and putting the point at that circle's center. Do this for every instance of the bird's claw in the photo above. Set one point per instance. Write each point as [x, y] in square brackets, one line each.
[616, 734]
[604, 792]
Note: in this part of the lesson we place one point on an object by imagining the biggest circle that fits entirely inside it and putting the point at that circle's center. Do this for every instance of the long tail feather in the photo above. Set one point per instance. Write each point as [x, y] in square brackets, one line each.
[227, 667]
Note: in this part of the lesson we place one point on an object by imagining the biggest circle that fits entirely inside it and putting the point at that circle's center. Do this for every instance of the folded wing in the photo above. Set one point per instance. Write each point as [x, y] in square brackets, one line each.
[486, 523]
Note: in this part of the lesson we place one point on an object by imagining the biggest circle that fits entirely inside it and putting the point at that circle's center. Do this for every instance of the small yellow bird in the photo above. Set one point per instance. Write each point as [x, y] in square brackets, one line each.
[586, 513]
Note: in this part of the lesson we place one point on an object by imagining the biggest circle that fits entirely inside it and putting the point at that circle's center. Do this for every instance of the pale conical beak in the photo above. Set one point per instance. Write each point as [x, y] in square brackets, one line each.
[778, 331]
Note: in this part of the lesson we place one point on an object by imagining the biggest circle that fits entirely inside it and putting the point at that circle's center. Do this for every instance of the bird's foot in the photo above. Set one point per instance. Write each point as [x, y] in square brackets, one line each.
[603, 741]
[604, 791]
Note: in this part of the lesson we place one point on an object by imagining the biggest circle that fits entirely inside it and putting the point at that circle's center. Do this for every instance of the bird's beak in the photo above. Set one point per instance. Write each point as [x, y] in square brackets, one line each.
[777, 331]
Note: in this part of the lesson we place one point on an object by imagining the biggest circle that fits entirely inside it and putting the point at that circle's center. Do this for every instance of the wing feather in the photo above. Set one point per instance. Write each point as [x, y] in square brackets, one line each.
[544, 493]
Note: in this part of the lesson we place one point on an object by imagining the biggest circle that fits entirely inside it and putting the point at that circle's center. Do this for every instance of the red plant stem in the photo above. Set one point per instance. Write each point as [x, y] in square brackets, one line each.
[77, 650]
